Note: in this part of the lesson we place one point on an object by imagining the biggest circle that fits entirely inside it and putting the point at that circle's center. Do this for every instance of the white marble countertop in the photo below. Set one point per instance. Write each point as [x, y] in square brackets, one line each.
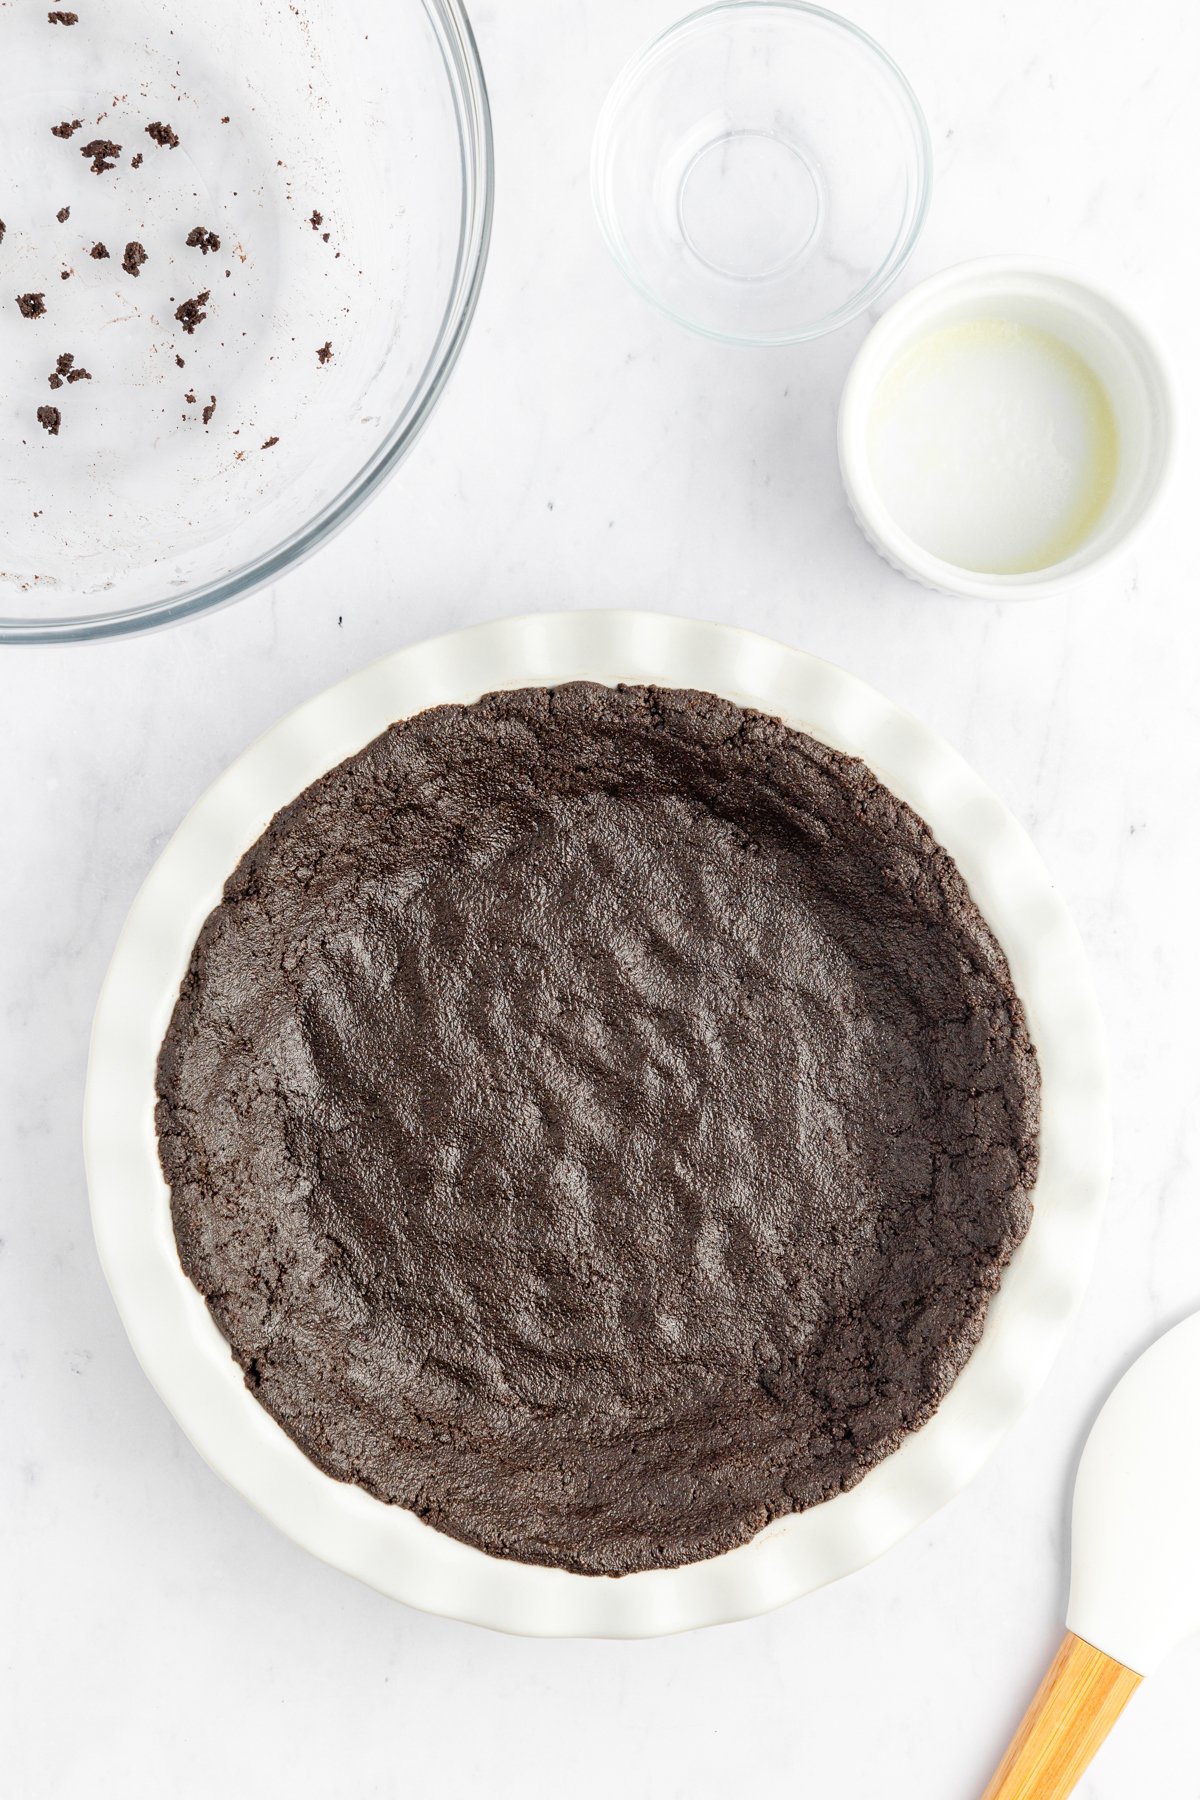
[158, 1638]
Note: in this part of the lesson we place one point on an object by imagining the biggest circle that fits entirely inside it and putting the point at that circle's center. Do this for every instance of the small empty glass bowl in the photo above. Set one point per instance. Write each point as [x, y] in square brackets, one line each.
[761, 171]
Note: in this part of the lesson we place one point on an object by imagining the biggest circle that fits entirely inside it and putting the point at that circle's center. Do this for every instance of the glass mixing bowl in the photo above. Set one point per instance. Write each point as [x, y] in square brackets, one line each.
[761, 171]
[326, 207]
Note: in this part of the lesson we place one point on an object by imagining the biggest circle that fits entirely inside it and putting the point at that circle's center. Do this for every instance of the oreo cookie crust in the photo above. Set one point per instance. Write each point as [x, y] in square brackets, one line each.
[598, 1120]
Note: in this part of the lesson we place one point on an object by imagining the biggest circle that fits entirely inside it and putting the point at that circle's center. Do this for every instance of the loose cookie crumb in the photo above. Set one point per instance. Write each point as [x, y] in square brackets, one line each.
[103, 152]
[65, 370]
[191, 313]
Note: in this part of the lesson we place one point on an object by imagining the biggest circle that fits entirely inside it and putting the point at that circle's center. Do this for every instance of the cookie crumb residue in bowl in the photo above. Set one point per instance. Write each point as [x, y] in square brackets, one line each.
[157, 138]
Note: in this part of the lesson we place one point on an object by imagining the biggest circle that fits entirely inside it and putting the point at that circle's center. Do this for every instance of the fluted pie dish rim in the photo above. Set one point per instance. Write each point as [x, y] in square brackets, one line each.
[188, 1360]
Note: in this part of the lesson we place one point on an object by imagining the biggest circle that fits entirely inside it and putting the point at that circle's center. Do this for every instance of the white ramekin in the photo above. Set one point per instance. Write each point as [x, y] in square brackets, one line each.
[1091, 322]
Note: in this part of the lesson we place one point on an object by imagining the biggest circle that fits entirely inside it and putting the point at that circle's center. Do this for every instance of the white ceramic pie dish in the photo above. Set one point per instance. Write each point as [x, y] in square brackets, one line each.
[189, 1362]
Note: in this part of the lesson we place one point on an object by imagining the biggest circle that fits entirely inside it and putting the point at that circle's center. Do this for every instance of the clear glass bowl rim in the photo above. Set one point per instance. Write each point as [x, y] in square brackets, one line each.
[464, 71]
[891, 266]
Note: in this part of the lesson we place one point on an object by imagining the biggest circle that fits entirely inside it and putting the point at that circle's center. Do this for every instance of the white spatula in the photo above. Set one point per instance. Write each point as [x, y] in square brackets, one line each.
[1135, 1568]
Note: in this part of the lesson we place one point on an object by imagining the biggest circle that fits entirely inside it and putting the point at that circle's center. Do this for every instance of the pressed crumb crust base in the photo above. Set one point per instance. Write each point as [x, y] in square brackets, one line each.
[598, 1120]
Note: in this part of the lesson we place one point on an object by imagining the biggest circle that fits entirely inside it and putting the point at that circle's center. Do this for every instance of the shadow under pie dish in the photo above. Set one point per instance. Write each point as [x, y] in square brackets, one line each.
[598, 1117]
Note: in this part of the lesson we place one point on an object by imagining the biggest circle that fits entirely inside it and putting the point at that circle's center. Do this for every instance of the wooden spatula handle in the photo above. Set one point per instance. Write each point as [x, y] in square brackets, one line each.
[1077, 1705]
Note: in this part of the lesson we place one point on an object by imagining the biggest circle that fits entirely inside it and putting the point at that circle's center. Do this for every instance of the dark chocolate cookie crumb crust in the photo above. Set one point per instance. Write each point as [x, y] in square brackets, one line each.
[598, 1120]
